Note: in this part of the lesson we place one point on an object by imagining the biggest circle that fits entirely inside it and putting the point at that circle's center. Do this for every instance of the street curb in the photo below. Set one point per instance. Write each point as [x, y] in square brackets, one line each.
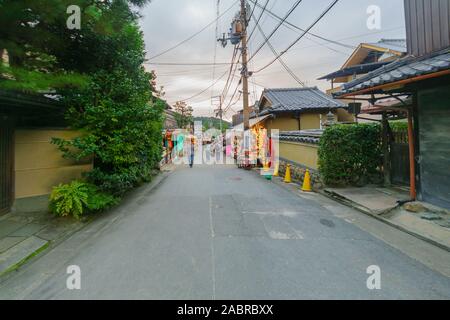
[27, 258]
[41, 251]
[362, 210]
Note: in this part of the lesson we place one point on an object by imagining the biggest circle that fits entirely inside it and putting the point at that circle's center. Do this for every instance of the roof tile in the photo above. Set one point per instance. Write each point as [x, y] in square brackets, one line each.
[299, 99]
[401, 69]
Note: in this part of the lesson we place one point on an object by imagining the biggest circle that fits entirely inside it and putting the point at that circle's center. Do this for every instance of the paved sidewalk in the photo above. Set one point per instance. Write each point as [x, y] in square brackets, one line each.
[375, 200]
[426, 222]
[24, 235]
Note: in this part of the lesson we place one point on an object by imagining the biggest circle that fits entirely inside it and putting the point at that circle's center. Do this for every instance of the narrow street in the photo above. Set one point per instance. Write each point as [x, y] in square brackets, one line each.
[217, 232]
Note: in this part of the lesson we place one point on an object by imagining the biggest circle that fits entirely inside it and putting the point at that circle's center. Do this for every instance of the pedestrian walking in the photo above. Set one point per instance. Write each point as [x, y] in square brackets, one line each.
[192, 153]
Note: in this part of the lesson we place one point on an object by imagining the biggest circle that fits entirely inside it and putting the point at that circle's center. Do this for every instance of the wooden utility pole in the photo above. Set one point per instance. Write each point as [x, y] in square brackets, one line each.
[245, 73]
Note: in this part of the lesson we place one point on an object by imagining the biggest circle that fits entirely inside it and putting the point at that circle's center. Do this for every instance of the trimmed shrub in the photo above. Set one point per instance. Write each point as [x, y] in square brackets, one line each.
[78, 198]
[350, 154]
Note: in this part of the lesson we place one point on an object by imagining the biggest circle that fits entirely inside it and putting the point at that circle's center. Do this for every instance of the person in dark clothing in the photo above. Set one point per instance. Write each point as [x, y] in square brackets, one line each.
[192, 153]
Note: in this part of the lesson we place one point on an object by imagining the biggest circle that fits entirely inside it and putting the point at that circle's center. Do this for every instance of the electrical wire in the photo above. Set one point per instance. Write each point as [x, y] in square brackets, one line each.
[259, 18]
[287, 23]
[232, 72]
[184, 72]
[194, 35]
[278, 57]
[205, 90]
[253, 10]
[232, 64]
[323, 14]
[187, 64]
[255, 98]
[296, 4]
[232, 97]
[271, 8]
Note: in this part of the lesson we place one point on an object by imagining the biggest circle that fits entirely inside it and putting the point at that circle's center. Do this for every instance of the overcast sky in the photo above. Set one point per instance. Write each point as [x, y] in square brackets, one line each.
[167, 22]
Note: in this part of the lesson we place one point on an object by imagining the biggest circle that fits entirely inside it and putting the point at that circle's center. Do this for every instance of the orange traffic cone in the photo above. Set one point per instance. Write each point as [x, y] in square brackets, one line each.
[307, 182]
[288, 178]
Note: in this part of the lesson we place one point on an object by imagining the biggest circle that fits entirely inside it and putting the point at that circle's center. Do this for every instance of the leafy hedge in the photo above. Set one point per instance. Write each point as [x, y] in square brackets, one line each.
[350, 154]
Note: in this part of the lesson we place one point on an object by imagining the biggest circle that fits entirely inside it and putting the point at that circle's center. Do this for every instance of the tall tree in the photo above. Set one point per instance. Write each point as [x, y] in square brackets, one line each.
[111, 102]
[183, 114]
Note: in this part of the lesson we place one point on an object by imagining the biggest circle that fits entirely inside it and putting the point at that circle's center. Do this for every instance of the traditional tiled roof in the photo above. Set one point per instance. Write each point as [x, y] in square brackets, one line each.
[403, 69]
[355, 70]
[299, 100]
[305, 136]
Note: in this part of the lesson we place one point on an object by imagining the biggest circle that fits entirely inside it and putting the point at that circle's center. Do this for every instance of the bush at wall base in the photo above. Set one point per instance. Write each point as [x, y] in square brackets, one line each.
[350, 154]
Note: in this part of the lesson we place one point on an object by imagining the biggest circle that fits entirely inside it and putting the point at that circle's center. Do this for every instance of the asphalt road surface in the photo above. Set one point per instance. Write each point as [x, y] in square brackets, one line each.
[217, 232]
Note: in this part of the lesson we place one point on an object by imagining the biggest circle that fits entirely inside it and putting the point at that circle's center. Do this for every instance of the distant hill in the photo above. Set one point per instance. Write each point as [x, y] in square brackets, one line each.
[211, 122]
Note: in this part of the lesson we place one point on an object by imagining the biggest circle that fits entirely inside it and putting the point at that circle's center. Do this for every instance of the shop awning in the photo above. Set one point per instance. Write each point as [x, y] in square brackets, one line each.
[253, 122]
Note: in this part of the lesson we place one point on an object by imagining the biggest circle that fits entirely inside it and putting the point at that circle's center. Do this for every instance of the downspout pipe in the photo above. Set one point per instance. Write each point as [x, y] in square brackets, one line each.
[412, 164]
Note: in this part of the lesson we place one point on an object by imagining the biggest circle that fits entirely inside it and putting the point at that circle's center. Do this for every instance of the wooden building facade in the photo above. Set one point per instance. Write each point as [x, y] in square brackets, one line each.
[427, 25]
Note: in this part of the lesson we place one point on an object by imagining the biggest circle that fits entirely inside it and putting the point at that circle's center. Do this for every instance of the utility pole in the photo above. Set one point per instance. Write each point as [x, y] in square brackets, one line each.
[245, 73]
[238, 34]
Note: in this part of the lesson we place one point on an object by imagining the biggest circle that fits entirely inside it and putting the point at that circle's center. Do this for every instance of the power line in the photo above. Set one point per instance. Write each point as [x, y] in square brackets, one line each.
[231, 72]
[253, 10]
[255, 98]
[187, 64]
[350, 38]
[287, 23]
[205, 90]
[296, 4]
[323, 14]
[232, 97]
[257, 21]
[277, 55]
[271, 8]
[254, 82]
[232, 64]
[188, 72]
[194, 35]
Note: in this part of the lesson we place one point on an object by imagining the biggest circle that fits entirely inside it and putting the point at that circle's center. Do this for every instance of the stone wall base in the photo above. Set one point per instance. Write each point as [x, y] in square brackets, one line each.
[298, 174]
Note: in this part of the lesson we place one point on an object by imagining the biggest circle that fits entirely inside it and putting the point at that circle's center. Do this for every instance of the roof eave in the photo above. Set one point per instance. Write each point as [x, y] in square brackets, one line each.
[393, 85]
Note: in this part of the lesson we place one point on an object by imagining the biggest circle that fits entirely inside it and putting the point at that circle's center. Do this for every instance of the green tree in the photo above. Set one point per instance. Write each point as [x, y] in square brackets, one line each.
[98, 73]
[183, 114]
[44, 54]
[121, 119]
